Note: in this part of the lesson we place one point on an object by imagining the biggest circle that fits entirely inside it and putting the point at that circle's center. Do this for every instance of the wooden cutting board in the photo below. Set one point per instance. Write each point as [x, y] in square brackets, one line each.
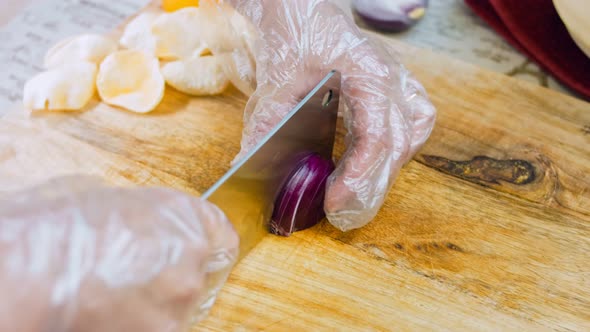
[488, 228]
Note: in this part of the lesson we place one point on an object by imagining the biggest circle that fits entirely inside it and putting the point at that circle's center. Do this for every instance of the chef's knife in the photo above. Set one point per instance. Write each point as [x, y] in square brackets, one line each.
[247, 192]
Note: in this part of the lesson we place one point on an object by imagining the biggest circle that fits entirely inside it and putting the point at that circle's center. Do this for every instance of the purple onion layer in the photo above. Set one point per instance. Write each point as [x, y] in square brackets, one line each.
[300, 203]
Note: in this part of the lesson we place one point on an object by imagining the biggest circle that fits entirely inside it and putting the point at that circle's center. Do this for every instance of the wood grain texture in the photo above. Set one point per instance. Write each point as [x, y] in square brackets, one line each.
[487, 229]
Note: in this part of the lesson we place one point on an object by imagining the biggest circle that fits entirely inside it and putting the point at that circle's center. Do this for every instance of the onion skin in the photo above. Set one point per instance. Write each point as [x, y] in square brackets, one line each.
[391, 15]
[300, 203]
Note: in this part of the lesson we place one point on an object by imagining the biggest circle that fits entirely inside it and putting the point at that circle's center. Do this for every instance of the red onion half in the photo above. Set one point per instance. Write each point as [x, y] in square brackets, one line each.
[391, 15]
[300, 203]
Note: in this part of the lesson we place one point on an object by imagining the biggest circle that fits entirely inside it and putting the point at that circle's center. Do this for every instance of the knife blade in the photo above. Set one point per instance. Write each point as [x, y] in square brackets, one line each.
[247, 192]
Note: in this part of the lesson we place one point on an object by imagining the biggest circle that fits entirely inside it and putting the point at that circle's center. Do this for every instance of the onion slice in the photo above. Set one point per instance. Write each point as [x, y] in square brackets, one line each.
[300, 203]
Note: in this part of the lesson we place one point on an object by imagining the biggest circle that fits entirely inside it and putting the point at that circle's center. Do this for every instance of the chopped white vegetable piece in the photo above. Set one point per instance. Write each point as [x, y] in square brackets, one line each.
[89, 47]
[132, 80]
[198, 76]
[224, 29]
[68, 87]
[180, 34]
[138, 33]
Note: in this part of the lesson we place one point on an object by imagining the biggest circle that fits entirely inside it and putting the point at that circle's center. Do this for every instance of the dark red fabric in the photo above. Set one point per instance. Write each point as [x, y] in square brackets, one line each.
[535, 28]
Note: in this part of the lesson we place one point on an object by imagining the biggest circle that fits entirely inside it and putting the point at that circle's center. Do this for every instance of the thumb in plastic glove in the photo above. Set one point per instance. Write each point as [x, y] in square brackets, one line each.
[77, 255]
[388, 114]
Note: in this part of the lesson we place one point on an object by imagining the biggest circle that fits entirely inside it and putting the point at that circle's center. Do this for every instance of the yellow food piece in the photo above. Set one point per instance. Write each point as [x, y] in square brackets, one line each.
[138, 34]
[208, 29]
[89, 47]
[198, 76]
[174, 5]
[132, 80]
[68, 87]
[181, 34]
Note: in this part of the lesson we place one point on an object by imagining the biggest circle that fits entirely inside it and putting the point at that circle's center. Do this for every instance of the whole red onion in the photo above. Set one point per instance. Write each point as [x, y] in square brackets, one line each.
[391, 15]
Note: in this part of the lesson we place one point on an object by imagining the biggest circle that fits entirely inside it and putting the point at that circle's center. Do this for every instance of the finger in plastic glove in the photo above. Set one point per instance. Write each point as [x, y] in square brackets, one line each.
[100, 258]
[389, 120]
[241, 71]
[423, 110]
[378, 144]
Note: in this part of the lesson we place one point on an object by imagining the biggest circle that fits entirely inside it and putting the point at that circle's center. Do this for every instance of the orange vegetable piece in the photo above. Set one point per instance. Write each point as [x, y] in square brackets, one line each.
[174, 5]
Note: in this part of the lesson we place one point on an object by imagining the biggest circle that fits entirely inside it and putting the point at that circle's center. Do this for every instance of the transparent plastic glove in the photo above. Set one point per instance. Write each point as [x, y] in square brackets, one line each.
[77, 255]
[388, 114]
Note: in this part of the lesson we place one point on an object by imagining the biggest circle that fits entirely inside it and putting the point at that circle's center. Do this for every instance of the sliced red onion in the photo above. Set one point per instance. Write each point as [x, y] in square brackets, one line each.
[300, 203]
[391, 15]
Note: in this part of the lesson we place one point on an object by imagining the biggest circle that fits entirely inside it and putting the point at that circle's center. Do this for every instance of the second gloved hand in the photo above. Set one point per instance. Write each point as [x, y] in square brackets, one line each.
[388, 115]
[77, 255]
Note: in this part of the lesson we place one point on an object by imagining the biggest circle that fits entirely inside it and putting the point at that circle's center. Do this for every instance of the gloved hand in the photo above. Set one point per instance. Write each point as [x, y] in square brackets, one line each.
[388, 115]
[77, 255]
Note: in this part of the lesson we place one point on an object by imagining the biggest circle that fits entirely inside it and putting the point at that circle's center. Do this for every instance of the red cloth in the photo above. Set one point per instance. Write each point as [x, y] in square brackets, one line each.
[534, 28]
